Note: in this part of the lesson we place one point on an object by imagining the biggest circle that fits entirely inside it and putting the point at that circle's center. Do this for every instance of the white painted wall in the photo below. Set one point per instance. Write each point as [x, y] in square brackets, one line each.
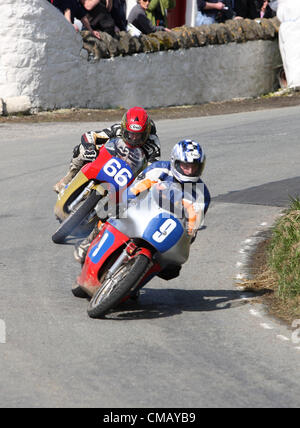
[288, 13]
[39, 53]
[41, 57]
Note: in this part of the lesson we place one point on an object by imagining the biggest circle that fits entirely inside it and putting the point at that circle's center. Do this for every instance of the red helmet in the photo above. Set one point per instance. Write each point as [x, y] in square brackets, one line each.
[135, 126]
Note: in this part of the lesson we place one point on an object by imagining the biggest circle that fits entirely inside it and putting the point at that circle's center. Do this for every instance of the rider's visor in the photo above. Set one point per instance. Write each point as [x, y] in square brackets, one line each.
[135, 139]
[189, 169]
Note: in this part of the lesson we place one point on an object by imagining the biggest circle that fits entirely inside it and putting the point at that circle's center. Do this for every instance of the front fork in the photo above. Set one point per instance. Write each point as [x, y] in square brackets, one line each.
[129, 251]
[120, 260]
[86, 191]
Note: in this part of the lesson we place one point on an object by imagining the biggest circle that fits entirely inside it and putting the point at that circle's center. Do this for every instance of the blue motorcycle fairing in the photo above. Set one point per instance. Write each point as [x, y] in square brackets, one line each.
[163, 232]
[100, 248]
[117, 172]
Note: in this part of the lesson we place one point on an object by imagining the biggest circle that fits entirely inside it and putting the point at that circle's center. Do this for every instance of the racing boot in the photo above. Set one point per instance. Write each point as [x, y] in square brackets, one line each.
[65, 180]
[81, 250]
[75, 166]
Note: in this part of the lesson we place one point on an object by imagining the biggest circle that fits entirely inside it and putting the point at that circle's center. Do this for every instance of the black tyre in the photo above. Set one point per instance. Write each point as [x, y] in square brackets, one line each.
[74, 219]
[115, 288]
[78, 291]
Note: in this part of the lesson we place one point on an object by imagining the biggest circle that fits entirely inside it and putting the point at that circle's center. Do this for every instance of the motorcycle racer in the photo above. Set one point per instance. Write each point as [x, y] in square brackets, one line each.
[136, 133]
[135, 130]
[185, 168]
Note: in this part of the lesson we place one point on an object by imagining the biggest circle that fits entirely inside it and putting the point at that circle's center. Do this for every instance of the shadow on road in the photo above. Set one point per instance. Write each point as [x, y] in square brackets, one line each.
[276, 193]
[155, 303]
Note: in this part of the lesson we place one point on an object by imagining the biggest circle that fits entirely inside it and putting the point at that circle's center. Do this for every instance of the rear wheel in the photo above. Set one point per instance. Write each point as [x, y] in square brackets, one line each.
[117, 286]
[76, 218]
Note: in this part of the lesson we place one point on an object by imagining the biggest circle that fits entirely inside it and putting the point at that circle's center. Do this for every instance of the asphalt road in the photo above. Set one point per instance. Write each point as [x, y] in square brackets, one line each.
[197, 341]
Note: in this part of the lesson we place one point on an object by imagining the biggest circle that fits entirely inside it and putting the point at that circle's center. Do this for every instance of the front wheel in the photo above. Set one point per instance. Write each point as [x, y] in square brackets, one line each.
[117, 286]
[76, 218]
[78, 291]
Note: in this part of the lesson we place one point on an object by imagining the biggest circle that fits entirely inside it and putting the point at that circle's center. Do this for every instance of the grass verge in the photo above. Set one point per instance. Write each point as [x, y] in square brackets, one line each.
[276, 266]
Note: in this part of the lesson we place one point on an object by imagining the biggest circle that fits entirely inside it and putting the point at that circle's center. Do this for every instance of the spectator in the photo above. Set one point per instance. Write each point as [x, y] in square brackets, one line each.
[157, 11]
[243, 8]
[72, 9]
[266, 11]
[227, 12]
[99, 15]
[250, 9]
[253, 9]
[208, 11]
[138, 18]
[118, 13]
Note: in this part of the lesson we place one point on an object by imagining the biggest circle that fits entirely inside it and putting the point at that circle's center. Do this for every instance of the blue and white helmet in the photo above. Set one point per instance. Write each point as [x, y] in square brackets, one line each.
[187, 152]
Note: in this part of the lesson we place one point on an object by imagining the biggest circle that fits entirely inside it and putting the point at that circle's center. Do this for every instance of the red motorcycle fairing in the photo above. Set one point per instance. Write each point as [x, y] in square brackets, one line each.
[114, 173]
[92, 169]
[107, 168]
[107, 242]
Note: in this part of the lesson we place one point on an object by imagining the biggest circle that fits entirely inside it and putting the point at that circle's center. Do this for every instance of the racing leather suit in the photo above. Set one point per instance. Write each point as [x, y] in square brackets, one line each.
[87, 151]
[195, 202]
[91, 141]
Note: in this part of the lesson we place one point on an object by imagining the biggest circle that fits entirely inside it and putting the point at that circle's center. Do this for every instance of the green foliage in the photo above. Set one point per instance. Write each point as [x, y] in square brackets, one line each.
[284, 251]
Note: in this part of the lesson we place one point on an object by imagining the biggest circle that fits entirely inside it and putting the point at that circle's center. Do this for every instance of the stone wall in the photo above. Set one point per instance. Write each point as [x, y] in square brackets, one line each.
[233, 31]
[45, 63]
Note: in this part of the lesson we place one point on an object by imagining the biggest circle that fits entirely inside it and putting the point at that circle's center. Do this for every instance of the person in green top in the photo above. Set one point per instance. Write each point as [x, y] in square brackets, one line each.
[157, 11]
